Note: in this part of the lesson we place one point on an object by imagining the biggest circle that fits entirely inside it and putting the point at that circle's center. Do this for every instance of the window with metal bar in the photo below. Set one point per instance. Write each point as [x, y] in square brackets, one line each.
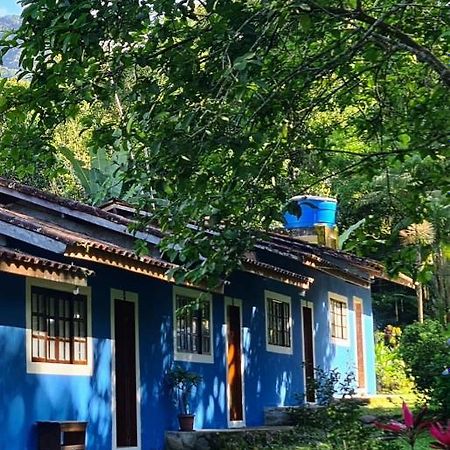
[278, 322]
[58, 326]
[193, 333]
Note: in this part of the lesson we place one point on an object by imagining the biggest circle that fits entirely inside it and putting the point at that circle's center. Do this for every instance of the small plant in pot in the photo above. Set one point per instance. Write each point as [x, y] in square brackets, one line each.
[181, 382]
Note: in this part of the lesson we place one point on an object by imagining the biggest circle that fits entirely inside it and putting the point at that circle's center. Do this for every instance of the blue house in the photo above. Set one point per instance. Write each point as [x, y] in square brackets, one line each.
[88, 329]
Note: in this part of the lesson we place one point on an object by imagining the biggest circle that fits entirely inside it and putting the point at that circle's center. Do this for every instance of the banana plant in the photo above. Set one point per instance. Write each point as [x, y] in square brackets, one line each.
[103, 179]
[347, 233]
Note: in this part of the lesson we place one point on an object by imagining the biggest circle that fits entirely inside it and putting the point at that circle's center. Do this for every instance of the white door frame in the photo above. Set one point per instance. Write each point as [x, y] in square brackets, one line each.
[234, 423]
[310, 305]
[117, 294]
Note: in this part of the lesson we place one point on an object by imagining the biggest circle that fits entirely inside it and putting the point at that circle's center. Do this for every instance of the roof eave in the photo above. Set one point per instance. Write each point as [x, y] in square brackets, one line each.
[23, 264]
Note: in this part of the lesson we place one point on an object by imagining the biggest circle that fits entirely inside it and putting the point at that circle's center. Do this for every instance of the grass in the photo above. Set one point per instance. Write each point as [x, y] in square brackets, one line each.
[389, 405]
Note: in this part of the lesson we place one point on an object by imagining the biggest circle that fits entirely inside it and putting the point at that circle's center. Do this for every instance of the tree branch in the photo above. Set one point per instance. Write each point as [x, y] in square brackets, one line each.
[395, 36]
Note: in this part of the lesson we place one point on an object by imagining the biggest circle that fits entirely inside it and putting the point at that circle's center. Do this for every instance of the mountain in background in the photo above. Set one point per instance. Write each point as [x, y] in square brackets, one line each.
[11, 59]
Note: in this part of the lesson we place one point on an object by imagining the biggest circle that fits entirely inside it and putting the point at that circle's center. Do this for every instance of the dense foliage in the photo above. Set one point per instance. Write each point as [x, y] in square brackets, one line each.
[426, 352]
[226, 109]
[338, 426]
[390, 368]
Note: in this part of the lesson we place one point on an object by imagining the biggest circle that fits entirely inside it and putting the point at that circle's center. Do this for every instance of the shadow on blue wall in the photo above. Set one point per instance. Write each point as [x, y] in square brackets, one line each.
[28, 398]
[270, 379]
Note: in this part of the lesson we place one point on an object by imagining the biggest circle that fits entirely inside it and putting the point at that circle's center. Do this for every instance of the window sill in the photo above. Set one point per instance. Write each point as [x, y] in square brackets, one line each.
[45, 368]
[193, 357]
[340, 342]
[279, 349]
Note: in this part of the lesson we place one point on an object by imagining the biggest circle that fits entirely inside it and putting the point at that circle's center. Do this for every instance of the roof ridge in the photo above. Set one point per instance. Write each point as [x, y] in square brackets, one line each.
[68, 203]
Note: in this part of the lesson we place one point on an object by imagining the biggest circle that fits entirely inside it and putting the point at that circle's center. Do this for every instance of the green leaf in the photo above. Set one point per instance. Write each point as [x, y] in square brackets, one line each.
[404, 140]
[305, 22]
[343, 237]
[241, 62]
[129, 124]
[81, 173]
[167, 189]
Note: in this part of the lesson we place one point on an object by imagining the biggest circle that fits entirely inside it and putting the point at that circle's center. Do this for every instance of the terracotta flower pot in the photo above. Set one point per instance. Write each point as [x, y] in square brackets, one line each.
[186, 422]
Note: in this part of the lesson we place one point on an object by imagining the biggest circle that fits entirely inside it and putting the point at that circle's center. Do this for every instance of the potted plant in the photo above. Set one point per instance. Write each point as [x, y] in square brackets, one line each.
[181, 381]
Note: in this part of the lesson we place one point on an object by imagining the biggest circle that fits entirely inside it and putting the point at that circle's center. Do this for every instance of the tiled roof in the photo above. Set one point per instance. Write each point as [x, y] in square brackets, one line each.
[72, 238]
[280, 243]
[18, 257]
[70, 204]
[279, 270]
[290, 242]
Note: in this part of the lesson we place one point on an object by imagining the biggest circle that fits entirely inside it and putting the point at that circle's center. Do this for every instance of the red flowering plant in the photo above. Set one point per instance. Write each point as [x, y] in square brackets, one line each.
[410, 428]
[442, 434]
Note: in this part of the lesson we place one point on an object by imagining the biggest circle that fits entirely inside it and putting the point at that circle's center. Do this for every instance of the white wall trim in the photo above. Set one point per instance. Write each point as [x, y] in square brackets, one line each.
[235, 423]
[360, 301]
[117, 294]
[342, 299]
[310, 305]
[49, 368]
[281, 298]
[185, 356]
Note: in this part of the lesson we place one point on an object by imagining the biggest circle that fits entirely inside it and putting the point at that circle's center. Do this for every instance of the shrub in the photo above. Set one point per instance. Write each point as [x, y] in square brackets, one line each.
[328, 384]
[411, 427]
[335, 422]
[392, 336]
[390, 368]
[338, 427]
[426, 353]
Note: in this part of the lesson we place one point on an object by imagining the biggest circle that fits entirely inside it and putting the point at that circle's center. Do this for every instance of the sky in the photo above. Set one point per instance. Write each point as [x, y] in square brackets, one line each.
[8, 7]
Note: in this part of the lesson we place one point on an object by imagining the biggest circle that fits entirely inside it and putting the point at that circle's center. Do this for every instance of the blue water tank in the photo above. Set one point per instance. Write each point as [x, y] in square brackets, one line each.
[312, 210]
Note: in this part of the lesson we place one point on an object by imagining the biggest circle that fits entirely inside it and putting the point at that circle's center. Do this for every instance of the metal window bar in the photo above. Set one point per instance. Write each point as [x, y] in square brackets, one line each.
[193, 327]
[278, 315]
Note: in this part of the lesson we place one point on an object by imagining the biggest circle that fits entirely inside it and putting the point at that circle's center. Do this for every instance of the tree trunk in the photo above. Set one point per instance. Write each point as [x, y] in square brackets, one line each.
[419, 294]
[442, 285]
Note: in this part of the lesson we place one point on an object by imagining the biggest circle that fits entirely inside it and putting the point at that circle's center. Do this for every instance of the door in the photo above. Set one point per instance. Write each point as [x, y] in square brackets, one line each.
[234, 363]
[361, 377]
[125, 373]
[308, 352]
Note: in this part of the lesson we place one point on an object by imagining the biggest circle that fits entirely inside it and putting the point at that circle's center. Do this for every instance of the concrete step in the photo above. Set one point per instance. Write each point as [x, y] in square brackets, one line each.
[278, 416]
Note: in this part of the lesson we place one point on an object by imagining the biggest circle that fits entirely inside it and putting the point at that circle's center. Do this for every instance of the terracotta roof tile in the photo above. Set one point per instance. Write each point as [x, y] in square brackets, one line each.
[71, 204]
[276, 242]
[288, 241]
[72, 238]
[15, 256]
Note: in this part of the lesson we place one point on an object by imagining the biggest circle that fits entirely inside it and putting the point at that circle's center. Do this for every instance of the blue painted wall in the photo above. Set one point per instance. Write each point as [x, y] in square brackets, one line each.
[26, 398]
[265, 386]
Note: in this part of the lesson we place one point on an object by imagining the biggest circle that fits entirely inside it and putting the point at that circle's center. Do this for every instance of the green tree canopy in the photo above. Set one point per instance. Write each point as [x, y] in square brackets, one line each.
[227, 108]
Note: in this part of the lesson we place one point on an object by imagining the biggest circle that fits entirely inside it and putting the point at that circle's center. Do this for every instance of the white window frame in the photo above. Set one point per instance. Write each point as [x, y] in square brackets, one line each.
[50, 368]
[281, 298]
[186, 356]
[342, 299]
